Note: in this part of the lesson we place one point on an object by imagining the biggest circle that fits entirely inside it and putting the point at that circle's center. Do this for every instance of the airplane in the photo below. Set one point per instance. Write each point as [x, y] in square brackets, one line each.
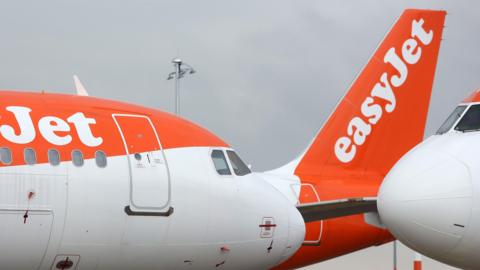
[430, 198]
[90, 183]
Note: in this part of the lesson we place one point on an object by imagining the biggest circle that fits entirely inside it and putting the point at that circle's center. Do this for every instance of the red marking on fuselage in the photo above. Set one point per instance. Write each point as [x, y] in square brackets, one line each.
[267, 225]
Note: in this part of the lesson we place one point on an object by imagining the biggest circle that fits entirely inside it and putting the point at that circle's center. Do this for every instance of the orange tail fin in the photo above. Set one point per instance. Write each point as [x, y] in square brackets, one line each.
[383, 114]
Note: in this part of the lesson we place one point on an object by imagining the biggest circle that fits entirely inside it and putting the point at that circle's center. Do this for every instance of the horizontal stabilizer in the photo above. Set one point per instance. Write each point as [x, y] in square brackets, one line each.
[338, 208]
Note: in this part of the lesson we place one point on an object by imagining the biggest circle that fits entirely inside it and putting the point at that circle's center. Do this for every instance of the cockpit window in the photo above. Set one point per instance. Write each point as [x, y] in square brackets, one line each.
[238, 165]
[220, 162]
[470, 120]
[451, 120]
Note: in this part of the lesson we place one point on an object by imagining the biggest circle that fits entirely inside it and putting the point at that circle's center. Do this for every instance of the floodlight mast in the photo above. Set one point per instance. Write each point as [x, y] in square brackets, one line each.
[181, 69]
[395, 255]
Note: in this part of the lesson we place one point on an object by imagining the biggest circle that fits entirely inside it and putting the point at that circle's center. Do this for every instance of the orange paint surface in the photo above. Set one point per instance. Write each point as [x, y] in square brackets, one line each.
[173, 132]
[139, 134]
[473, 97]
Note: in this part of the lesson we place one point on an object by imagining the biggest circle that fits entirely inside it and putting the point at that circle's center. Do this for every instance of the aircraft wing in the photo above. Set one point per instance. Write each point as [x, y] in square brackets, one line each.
[337, 208]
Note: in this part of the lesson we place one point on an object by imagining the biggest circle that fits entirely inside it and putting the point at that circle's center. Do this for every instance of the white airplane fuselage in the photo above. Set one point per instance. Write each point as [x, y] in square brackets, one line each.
[430, 200]
[156, 209]
[80, 211]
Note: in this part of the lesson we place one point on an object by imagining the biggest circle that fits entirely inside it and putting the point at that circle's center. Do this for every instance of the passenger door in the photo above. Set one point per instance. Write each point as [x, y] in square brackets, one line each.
[149, 175]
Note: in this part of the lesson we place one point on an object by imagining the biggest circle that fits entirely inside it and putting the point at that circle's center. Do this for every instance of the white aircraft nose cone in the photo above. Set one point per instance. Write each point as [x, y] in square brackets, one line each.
[426, 200]
[296, 233]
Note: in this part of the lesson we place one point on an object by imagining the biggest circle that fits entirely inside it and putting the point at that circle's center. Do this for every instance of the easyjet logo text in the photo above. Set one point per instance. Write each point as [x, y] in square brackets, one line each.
[361, 126]
[53, 129]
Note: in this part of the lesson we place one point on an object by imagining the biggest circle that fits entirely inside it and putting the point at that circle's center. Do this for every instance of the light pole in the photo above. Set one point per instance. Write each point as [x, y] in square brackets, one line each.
[181, 69]
[395, 255]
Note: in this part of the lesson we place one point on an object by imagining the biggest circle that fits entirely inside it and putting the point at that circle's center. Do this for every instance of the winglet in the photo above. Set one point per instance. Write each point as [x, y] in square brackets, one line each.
[79, 86]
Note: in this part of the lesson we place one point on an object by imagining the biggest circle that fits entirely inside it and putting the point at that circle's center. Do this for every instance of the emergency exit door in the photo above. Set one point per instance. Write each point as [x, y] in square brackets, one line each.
[149, 175]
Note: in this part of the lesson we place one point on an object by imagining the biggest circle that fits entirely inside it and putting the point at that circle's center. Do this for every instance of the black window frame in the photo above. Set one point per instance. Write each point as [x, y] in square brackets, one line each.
[238, 165]
[81, 158]
[452, 119]
[30, 150]
[100, 152]
[9, 154]
[474, 125]
[50, 151]
[223, 171]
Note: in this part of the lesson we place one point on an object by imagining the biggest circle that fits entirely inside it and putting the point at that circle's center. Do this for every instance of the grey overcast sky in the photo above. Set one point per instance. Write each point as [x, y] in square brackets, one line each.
[269, 72]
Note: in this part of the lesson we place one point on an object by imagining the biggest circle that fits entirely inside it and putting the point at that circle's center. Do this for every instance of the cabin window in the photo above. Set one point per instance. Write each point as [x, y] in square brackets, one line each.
[451, 120]
[29, 156]
[239, 167]
[53, 157]
[5, 155]
[101, 159]
[470, 120]
[220, 162]
[77, 158]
